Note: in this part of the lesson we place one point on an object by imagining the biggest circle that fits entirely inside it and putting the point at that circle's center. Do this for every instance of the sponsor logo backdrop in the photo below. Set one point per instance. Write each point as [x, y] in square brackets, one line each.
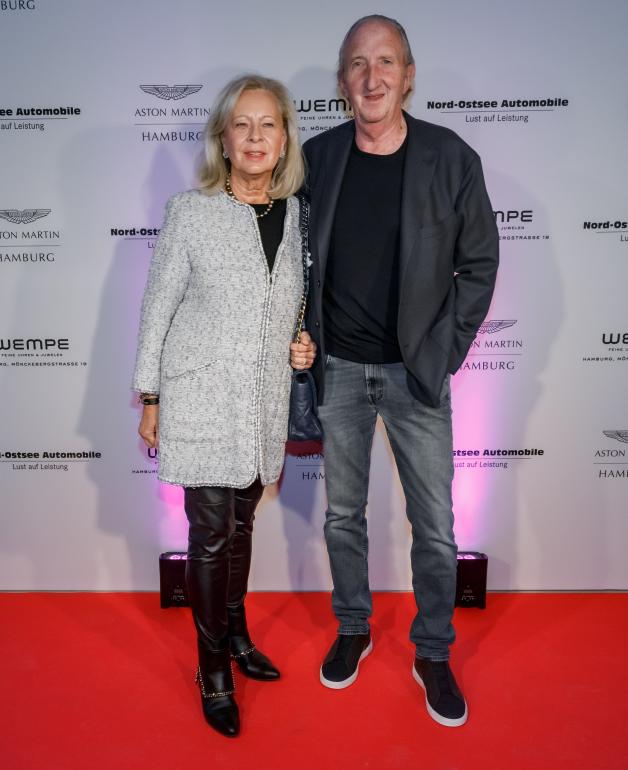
[100, 123]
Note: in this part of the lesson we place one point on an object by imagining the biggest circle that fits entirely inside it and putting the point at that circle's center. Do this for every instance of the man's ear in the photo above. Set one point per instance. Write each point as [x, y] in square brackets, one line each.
[409, 79]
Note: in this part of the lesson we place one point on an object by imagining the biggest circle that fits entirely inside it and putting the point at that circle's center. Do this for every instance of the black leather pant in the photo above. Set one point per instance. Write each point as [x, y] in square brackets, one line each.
[219, 556]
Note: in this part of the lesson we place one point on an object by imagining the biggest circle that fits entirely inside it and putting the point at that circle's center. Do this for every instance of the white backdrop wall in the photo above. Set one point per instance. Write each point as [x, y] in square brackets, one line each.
[82, 192]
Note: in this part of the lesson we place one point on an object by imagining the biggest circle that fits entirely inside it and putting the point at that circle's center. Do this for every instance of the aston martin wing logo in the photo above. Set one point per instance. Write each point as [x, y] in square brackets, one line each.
[171, 92]
[24, 216]
[618, 435]
[490, 327]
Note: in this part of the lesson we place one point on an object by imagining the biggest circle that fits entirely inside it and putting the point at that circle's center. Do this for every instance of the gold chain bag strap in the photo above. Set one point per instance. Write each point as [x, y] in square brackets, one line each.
[303, 422]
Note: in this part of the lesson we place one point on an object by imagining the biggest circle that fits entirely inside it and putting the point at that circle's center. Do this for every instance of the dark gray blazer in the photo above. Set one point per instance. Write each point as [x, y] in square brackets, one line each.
[449, 248]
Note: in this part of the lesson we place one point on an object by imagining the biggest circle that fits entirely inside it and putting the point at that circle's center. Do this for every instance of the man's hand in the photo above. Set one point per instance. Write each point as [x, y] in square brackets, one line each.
[302, 354]
[149, 426]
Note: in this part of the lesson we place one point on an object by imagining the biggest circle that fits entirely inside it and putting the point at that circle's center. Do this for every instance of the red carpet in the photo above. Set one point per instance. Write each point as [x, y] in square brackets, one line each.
[106, 681]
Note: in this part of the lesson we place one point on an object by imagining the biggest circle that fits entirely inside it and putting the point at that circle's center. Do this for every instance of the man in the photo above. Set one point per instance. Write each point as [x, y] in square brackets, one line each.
[405, 251]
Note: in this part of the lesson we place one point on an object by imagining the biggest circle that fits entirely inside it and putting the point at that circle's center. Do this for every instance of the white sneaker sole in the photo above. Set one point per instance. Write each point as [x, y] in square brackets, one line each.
[445, 721]
[351, 679]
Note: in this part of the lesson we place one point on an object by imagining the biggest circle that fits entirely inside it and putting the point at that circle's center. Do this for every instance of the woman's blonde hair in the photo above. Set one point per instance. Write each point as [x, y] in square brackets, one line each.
[289, 172]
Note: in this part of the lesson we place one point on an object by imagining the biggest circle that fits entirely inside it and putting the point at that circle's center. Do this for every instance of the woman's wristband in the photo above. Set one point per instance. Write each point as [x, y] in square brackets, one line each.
[149, 399]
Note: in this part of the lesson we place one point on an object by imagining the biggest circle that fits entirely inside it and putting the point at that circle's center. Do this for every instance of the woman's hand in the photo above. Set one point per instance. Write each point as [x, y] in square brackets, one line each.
[302, 354]
[149, 426]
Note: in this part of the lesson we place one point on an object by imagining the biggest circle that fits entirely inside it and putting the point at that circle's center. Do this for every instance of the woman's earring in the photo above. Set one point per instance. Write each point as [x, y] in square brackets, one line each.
[224, 153]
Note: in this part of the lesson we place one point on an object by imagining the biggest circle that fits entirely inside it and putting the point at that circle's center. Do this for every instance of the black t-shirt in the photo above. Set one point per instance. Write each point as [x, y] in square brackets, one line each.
[361, 296]
[271, 228]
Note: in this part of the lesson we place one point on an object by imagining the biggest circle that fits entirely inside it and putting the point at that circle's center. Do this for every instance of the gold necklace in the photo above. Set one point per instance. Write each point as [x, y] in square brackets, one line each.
[231, 194]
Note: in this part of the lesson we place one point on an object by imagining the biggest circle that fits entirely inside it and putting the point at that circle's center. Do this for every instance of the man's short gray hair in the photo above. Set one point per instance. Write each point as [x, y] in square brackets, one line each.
[382, 20]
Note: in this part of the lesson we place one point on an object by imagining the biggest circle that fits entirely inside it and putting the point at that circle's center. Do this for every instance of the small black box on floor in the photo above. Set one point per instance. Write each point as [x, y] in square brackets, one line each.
[471, 579]
[172, 590]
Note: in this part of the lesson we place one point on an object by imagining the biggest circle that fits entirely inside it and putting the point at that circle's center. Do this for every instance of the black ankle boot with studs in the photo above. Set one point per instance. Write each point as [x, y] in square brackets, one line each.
[215, 680]
[250, 660]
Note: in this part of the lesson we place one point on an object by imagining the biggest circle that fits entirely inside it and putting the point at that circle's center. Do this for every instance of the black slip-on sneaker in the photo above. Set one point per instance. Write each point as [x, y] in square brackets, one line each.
[340, 667]
[443, 699]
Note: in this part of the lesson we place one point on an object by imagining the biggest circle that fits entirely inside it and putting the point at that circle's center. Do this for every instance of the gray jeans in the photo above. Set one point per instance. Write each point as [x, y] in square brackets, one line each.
[421, 440]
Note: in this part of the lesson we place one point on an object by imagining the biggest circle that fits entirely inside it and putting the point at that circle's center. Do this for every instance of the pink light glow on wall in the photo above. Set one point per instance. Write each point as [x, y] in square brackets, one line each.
[471, 416]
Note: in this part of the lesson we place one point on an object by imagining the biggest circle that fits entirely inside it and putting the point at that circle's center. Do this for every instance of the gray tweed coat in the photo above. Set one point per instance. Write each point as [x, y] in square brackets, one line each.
[214, 341]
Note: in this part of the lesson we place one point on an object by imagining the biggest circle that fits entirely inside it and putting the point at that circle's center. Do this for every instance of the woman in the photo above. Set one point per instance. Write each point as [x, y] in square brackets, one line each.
[212, 366]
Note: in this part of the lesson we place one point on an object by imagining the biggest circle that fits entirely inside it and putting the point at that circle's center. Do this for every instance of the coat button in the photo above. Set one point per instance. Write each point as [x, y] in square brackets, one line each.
[318, 283]
[317, 324]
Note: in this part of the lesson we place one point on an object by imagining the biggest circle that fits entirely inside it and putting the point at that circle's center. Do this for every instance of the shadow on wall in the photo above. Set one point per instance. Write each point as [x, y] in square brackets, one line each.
[496, 408]
[301, 482]
[128, 508]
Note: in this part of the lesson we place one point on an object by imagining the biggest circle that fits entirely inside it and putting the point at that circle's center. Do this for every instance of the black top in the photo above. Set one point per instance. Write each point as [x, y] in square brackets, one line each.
[271, 228]
[361, 295]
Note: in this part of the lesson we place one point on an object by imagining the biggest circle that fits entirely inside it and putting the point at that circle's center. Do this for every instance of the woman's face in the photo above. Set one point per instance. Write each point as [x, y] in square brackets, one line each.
[255, 136]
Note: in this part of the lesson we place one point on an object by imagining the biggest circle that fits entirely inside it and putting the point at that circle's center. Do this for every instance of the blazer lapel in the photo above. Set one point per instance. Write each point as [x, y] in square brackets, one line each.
[417, 177]
[328, 192]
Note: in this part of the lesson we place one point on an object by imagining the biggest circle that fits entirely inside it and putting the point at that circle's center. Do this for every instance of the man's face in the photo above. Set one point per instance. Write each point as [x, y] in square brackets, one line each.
[375, 76]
